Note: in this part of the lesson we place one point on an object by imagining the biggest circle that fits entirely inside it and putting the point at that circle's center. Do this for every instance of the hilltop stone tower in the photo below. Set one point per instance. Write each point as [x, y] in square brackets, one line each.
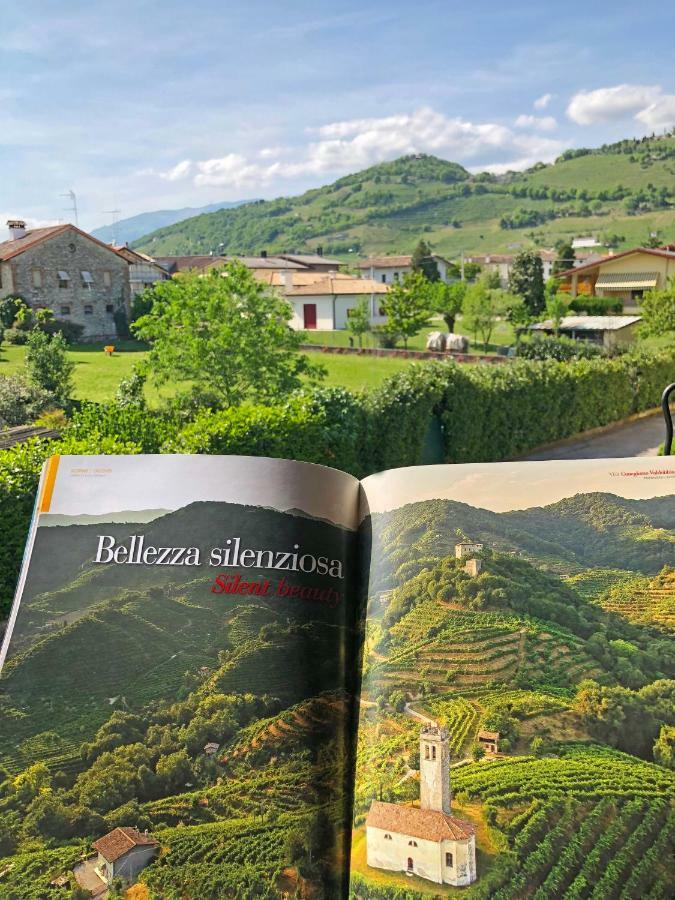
[435, 769]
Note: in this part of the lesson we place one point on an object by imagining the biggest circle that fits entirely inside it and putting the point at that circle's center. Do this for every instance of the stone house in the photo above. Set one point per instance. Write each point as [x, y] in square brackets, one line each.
[465, 549]
[62, 268]
[426, 841]
[123, 853]
[489, 741]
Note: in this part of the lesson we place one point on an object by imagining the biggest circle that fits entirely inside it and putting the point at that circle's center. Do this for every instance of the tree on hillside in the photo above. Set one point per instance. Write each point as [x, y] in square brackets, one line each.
[664, 747]
[424, 263]
[566, 257]
[447, 300]
[227, 334]
[407, 306]
[657, 309]
[358, 320]
[527, 280]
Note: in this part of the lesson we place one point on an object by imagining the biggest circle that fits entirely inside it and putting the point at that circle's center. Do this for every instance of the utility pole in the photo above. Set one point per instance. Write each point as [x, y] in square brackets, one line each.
[114, 213]
[461, 265]
[73, 199]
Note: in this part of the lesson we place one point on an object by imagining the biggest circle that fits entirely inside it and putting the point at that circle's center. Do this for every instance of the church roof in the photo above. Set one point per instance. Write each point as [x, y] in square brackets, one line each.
[428, 824]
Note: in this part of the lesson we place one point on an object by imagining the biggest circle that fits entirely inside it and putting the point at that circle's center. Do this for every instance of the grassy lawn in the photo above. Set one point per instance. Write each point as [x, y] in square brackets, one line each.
[503, 335]
[97, 375]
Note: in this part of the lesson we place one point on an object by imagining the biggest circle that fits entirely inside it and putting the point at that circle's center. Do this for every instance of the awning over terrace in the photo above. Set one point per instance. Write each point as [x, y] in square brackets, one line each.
[631, 281]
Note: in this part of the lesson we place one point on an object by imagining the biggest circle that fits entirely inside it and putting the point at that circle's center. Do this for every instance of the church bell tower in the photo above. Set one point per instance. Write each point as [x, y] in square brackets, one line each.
[435, 769]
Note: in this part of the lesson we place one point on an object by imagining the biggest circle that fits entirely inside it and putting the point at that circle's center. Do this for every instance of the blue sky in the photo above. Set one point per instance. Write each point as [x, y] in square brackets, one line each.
[146, 105]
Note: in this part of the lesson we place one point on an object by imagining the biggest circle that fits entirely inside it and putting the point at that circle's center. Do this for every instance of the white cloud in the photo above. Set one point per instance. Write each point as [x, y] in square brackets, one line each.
[353, 144]
[660, 113]
[542, 123]
[179, 171]
[543, 101]
[645, 102]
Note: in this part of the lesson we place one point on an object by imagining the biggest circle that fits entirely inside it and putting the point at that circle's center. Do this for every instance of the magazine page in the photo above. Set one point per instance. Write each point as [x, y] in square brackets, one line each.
[516, 717]
[177, 681]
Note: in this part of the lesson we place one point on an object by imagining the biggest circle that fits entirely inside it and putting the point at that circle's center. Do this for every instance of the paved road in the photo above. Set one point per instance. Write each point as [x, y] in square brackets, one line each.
[639, 438]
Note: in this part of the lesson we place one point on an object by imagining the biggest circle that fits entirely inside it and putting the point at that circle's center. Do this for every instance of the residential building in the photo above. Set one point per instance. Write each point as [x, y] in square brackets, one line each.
[144, 271]
[62, 268]
[425, 840]
[317, 262]
[262, 263]
[123, 853]
[502, 263]
[390, 269]
[489, 741]
[625, 276]
[608, 331]
[325, 304]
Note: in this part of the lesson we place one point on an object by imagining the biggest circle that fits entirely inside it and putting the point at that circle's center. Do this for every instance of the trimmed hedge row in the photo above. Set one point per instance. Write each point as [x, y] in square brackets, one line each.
[487, 413]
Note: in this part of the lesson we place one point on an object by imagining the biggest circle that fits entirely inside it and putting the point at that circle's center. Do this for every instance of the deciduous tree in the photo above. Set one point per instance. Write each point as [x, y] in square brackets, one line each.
[407, 306]
[226, 334]
[358, 320]
[527, 280]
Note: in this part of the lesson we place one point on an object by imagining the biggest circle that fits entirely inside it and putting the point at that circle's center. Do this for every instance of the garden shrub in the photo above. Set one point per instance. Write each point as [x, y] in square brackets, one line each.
[596, 306]
[145, 428]
[20, 401]
[291, 431]
[560, 348]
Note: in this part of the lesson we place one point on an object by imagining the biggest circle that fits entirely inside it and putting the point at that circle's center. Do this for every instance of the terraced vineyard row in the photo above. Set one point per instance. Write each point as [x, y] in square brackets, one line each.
[458, 715]
[649, 601]
[220, 859]
[580, 771]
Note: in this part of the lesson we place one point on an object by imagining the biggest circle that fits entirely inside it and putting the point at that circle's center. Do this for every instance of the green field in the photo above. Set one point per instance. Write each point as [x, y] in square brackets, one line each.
[97, 375]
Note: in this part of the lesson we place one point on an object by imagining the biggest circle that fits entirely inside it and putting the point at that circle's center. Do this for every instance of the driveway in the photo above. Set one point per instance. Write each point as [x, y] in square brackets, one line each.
[640, 437]
[87, 878]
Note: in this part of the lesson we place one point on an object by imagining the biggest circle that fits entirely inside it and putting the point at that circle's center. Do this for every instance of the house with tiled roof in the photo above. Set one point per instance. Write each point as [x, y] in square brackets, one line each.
[325, 303]
[426, 840]
[62, 268]
[390, 269]
[623, 276]
[123, 853]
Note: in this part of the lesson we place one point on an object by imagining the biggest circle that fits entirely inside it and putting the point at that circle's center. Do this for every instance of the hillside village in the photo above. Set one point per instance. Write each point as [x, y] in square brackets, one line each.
[90, 286]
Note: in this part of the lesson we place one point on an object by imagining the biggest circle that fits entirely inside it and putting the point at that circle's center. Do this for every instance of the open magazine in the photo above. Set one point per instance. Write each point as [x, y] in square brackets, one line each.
[249, 677]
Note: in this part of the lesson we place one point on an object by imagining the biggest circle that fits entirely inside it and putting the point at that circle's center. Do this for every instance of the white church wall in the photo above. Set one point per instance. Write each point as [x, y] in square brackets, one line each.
[393, 854]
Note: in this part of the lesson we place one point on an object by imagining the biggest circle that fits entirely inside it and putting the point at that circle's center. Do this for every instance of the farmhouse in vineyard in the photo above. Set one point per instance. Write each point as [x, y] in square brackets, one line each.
[123, 853]
[427, 841]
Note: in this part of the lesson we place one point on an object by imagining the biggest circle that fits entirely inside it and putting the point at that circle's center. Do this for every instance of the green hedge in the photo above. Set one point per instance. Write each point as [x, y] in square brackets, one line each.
[488, 412]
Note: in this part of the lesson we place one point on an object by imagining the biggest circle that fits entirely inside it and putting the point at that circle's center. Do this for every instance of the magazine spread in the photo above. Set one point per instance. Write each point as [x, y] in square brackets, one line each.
[249, 677]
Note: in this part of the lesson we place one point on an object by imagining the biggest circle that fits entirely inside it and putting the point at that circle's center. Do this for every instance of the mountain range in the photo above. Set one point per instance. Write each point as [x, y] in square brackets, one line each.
[622, 194]
[125, 231]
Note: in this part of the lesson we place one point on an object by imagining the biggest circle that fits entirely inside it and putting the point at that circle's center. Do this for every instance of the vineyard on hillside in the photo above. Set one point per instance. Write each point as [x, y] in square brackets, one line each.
[537, 647]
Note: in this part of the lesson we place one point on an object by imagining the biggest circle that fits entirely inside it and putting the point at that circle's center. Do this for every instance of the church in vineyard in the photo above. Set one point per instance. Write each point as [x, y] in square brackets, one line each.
[427, 841]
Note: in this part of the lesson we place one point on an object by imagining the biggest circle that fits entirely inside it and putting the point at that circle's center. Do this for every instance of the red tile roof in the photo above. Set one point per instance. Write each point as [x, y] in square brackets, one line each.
[120, 841]
[427, 824]
[13, 247]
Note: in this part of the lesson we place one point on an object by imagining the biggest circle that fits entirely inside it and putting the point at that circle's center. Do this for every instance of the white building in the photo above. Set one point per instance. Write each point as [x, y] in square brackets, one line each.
[426, 841]
[389, 269]
[324, 304]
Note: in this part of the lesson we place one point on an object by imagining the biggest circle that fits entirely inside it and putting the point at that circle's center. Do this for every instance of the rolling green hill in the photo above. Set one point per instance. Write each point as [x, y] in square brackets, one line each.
[619, 193]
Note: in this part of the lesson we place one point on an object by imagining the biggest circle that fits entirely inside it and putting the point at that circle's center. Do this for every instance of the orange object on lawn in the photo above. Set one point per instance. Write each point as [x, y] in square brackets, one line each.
[109, 349]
